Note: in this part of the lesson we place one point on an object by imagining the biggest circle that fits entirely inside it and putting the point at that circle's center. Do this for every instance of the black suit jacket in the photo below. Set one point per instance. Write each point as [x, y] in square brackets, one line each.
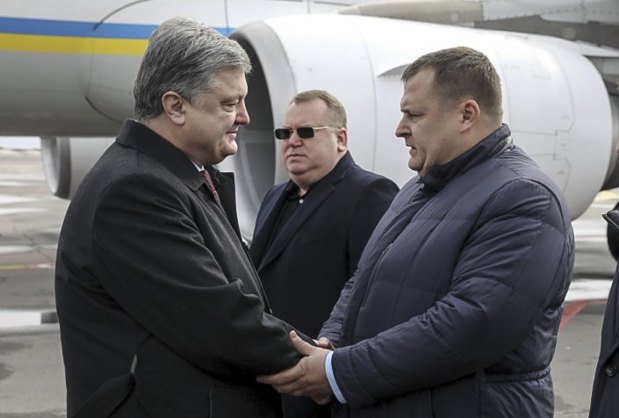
[151, 268]
[317, 251]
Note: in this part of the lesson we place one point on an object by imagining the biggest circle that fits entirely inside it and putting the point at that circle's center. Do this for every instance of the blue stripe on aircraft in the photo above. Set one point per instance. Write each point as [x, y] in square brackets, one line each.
[24, 26]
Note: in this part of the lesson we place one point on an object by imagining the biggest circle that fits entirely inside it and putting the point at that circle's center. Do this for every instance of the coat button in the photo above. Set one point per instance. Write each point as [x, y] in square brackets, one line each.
[611, 369]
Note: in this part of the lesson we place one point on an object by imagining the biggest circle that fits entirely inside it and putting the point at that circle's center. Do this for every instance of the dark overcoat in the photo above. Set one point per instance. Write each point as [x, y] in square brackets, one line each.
[317, 251]
[161, 311]
[455, 307]
[605, 396]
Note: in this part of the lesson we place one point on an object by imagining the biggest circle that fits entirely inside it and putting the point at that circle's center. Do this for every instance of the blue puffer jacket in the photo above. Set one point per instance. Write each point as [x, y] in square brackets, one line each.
[455, 306]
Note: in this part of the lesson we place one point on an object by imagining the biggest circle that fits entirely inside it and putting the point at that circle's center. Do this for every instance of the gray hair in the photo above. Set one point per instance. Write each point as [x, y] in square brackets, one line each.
[335, 108]
[461, 73]
[183, 56]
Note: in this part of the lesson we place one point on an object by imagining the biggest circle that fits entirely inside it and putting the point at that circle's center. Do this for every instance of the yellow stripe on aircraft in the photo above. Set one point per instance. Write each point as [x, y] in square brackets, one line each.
[72, 45]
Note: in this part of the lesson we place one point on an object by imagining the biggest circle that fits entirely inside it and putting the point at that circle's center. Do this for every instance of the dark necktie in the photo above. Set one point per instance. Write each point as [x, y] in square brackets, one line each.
[209, 183]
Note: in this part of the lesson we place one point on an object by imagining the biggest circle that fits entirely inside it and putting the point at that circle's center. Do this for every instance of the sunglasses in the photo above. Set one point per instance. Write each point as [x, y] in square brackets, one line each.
[304, 132]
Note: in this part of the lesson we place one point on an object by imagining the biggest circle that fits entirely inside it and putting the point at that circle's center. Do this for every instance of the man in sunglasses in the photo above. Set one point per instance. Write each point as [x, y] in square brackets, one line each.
[311, 230]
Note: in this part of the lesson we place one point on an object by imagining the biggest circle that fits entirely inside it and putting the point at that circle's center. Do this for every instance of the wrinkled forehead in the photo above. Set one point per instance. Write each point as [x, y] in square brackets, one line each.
[422, 82]
[419, 87]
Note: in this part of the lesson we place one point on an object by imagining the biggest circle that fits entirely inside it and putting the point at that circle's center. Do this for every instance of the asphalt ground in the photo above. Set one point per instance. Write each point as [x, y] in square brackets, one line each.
[31, 372]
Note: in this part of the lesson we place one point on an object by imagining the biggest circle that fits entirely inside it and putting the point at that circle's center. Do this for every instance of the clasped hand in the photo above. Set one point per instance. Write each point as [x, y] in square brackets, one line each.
[308, 377]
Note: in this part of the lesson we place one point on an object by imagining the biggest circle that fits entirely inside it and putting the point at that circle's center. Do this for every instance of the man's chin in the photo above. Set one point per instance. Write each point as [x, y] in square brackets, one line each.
[231, 148]
[295, 169]
[412, 165]
[223, 154]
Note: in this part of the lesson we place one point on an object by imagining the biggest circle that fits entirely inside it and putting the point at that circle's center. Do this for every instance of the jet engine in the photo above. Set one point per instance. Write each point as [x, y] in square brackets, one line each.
[554, 99]
[67, 160]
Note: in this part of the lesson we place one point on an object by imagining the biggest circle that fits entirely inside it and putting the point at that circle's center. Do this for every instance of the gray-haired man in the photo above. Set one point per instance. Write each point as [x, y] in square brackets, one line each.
[161, 312]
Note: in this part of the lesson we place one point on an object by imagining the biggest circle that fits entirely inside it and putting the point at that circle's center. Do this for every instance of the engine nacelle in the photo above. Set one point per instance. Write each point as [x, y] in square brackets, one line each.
[67, 160]
[553, 97]
[612, 176]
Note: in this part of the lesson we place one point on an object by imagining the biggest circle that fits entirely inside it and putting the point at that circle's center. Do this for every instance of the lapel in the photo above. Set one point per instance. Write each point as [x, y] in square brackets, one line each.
[135, 135]
[224, 183]
[265, 222]
[317, 195]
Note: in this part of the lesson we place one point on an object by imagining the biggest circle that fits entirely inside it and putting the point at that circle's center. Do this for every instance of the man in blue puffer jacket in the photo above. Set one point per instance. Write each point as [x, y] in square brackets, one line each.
[456, 302]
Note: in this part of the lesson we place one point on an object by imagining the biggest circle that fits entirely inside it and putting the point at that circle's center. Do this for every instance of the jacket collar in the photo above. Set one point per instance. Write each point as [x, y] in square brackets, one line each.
[495, 143]
[318, 192]
[335, 175]
[138, 136]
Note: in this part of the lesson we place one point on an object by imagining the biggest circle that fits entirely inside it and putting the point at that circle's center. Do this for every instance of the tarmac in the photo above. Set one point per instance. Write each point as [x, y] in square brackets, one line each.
[31, 371]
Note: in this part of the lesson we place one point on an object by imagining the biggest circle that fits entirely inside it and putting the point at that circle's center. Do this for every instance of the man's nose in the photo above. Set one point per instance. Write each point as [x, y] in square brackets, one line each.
[242, 116]
[402, 131]
[295, 140]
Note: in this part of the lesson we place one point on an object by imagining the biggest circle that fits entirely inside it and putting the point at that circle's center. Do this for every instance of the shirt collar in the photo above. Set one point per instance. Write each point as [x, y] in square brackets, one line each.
[200, 168]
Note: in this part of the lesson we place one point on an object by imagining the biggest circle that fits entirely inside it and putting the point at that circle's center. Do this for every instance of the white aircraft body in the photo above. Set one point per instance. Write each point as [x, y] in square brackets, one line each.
[67, 69]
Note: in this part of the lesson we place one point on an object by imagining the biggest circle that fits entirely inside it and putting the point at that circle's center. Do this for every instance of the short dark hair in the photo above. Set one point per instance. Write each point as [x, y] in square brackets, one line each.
[461, 73]
[335, 108]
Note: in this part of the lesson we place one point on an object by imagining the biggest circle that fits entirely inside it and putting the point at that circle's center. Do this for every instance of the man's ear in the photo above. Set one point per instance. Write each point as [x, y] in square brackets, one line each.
[342, 139]
[469, 114]
[174, 107]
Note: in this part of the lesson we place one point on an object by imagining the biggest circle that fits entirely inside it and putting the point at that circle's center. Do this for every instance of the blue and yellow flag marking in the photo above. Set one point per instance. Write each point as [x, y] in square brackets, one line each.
[70, 37]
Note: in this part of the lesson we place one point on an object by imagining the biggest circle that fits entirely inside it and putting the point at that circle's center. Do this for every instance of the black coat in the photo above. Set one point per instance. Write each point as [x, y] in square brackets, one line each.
[151, 270]
[605, 397]
[317, 251]
[455, 306]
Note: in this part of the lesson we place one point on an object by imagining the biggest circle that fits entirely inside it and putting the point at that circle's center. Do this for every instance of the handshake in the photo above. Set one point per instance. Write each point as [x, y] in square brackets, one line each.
[308, 377]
